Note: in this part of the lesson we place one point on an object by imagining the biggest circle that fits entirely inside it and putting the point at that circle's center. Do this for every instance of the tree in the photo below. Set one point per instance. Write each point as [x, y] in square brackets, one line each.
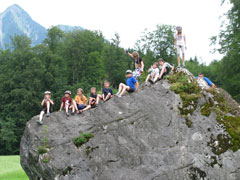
[158, 43]
[229, 40]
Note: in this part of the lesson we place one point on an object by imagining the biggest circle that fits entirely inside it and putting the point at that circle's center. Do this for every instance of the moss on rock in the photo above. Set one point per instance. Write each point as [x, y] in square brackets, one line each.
[220, 144]
[232, 125]
[189, 93]
[206, 109]
[223, 109]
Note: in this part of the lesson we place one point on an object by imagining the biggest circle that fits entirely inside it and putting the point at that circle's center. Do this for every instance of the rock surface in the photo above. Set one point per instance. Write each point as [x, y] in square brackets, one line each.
[139, 136]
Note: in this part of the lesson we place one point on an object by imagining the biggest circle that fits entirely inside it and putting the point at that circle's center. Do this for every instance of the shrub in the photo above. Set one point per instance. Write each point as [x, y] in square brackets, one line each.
[42, 150]
[82, 139]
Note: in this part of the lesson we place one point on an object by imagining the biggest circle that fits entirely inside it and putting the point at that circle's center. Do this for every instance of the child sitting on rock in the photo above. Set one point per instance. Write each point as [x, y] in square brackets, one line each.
[80, 101]
[107, 92]
[154, 73]
[93, 100]
[47, 104]
[164, 68]
[130, 86]
[67, 103]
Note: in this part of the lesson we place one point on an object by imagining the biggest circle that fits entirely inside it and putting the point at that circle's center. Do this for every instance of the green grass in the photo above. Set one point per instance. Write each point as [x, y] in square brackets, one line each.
[10, 168]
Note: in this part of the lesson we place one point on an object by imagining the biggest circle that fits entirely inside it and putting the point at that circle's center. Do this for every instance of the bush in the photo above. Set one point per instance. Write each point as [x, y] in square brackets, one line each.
[42, 150]
[82, 139]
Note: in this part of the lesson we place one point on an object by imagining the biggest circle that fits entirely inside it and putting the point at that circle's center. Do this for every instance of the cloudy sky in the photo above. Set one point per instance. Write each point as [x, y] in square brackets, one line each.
[200, 19]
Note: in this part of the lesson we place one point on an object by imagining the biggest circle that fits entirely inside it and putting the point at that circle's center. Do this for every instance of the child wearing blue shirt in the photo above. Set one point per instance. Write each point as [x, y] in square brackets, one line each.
[130, 86]
[208, 81]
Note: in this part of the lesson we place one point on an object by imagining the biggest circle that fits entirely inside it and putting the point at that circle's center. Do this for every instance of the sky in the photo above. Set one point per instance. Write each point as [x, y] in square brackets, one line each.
[200, 19]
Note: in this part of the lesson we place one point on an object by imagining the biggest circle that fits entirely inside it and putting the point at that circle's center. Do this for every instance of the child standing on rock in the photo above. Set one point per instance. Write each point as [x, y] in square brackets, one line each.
[180, 45]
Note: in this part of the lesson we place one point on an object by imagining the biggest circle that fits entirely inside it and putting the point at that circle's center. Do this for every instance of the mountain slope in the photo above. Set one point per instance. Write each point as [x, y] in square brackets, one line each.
[14, 20]
[67, 28]
[154, 134]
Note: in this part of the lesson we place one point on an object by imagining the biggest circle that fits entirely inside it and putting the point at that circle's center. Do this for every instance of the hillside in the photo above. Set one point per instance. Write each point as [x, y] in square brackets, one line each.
[169, 130]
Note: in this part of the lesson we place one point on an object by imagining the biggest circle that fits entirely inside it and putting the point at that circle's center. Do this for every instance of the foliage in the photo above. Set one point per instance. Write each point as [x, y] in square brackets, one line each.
[206, 109]
[82, 139]
[189, 93]
[42, 150]
[156, 44]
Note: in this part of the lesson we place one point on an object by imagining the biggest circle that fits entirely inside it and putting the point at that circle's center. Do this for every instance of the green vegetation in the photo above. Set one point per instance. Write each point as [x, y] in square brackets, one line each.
[10, 168]
[189, 93]
[42, 150]
[82, 139]
[222, 108]
[223, 144]
[46, 158]
[232, 125]
[188, 121]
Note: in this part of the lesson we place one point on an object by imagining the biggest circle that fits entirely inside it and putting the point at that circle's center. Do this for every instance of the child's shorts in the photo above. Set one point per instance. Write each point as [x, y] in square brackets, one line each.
[137, 73]
[81, 106]
[45, 109]
[180, 49]
[131, 90]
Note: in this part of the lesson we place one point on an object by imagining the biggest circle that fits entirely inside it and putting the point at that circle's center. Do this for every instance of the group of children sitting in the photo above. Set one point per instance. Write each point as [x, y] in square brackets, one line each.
[80, 103]
[158, 70]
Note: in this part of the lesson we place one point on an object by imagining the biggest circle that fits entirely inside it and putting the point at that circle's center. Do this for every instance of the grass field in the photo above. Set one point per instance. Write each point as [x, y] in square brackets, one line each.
[10, 168]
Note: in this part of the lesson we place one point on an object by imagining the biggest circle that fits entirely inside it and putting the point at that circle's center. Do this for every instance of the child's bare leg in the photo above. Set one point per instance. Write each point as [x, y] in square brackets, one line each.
[90, 101]
[75, 105]
[121, 85]
[148, 77]
[108, 96]
[41, 116]
[183, 59]
[86, 108]
[124, 89]
[66, 109]
[48, 106]
[155, 78]
[178, 60]
[73, 109]
[98, 98]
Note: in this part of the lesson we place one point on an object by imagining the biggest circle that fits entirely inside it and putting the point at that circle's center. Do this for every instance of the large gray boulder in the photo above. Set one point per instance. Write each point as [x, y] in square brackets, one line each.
[140, 136]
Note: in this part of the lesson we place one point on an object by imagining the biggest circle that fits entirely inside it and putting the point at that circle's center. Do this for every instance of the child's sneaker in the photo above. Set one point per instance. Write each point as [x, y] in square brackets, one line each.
[48, 114]
[67, 114]
[118, 93]
[178, 66]
[39, 122]
[151, 81]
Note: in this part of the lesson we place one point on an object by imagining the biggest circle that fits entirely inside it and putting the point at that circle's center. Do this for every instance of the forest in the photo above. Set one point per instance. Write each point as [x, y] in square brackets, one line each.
[84, 58]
